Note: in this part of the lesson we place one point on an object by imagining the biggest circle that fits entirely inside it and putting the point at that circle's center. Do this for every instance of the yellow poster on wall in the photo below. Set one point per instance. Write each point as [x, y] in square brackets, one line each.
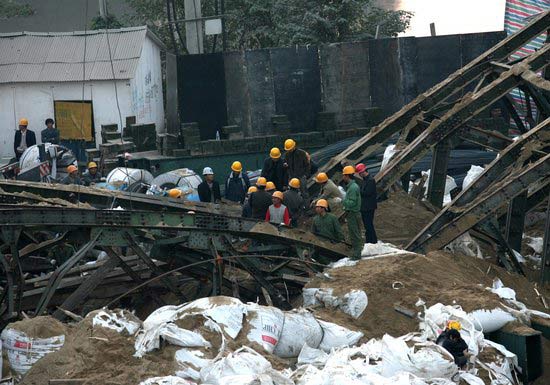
[74, 120]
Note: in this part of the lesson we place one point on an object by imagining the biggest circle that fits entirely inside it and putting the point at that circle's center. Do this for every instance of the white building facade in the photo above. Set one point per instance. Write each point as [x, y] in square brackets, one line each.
[38, 70]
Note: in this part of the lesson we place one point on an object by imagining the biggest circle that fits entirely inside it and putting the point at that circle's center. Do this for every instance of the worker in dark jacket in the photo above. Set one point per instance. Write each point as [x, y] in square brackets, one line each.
[237, 184]
[326, 224]
[24, 138]
[274, 170]
[297, 164]
[260, 200]
[455, 345]
[91, 176]
[294, 201]
[270, 187]
[247, 210]
[50, 134]
[72, 176]
[352, 208]
[209, 189]
[368, 202]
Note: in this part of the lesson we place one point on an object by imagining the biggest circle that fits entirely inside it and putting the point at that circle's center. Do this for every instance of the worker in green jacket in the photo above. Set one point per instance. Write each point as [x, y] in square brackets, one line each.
[352, 208]
[326, 224]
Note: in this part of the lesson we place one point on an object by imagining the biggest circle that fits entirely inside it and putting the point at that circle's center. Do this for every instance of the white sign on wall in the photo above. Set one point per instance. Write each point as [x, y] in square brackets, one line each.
[213, 27]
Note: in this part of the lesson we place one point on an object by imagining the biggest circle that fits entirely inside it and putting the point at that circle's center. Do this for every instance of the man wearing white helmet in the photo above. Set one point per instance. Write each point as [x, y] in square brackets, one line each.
[209, 189]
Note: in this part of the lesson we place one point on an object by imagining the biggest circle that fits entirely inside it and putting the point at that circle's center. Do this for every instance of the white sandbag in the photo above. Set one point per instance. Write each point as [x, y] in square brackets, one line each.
[116, 320]
[344, 262]
[300, 327]
[183, 337]
[503, 291]
[380, 248]
[311, 356]
[24, 351]
[389, 152]
[335, 336]
[168, 380]
[489, 321]
[190, 363]
[430, 362]
[242, 362]
[354, 303]
[266, 325]
[466, 245]
[535, 243]
[320, 296]
[470, 379]
[473, 173]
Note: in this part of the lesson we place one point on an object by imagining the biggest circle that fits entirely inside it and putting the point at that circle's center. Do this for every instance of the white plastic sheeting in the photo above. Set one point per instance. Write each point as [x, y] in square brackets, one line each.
[466, 245]
[24, 351]
[300, 327]
[379, 249]
[116, 320]
[389, 152]
[130, 179]
[473, 173]
[353, 303]
[450, 185]
[168, 380]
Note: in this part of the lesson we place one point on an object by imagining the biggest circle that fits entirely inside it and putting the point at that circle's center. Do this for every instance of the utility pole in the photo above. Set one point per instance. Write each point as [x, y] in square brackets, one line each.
[103, 9]
[193, 27]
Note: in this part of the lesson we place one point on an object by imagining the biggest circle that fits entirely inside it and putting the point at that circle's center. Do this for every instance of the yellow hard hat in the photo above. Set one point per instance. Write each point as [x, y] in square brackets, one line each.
[322, 203]
[278, 194]
[454, 325]
[275, 153]
[348, 170]
[294, 183]
[92, 165]
[252, 189]
[174, 193]
[23, 122]
[290, 145]
[72, 168]
[270, 186]
[237, 166]
[261, 181]
[321, 177]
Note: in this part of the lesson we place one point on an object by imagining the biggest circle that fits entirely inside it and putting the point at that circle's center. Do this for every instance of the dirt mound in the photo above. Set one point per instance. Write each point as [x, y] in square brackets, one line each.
[39, 327]
[437, 277]
[100, 356]
[400, 208]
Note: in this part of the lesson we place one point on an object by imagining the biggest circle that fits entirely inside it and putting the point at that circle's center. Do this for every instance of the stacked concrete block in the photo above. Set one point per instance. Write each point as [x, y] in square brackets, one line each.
[190, 134]
[326, 121]
[232, 132]
[181, 152]
[109, 132]
[143, 136]
[92, 154]
[113, 148]
[280, 124]
[373, 116]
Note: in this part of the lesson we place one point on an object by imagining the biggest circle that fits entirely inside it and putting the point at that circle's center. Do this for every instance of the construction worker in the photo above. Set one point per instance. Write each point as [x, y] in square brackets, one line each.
[368, 202]
[270, 187]
[451, 340]
[297, 164]
[24, 138]
[72, 176]
[451, 324]
[50, 134]
[278, 213]
[175, 193]
[294, 201]
[91, 176]
[326, 224]
[329, 191]
[260, 200]
[247, 211]
[352, 208]
[274, 169]
[209, 189]
[237, 183]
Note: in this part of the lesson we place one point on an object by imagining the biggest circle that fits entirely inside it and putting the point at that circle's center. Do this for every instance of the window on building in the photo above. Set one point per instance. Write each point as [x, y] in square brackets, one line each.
[74, 120]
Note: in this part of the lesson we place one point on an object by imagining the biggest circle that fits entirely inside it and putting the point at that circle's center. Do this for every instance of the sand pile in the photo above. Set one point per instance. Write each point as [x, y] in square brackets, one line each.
[436, 277]
[100, 356]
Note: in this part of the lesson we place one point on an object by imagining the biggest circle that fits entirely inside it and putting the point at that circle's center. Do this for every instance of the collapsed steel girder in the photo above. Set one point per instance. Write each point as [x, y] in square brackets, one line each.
[433, 98]
[520, 151]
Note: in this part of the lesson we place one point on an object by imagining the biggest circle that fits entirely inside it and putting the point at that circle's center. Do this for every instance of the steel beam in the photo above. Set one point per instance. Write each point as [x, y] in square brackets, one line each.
[545, 260]
[464, 111]
[438, 172]
[515, 221]
[520, 150]
[367, 145]
[489, 139]
[487, 205]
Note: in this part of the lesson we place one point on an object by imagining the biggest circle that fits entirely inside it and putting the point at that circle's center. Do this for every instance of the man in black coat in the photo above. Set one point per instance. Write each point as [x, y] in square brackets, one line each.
[24, 138]
[260, 200]
[274, 170]
[209, 189]
[368, 202]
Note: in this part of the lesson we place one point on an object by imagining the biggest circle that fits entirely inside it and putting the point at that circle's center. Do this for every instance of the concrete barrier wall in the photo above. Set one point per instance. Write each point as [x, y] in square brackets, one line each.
[343, 78]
